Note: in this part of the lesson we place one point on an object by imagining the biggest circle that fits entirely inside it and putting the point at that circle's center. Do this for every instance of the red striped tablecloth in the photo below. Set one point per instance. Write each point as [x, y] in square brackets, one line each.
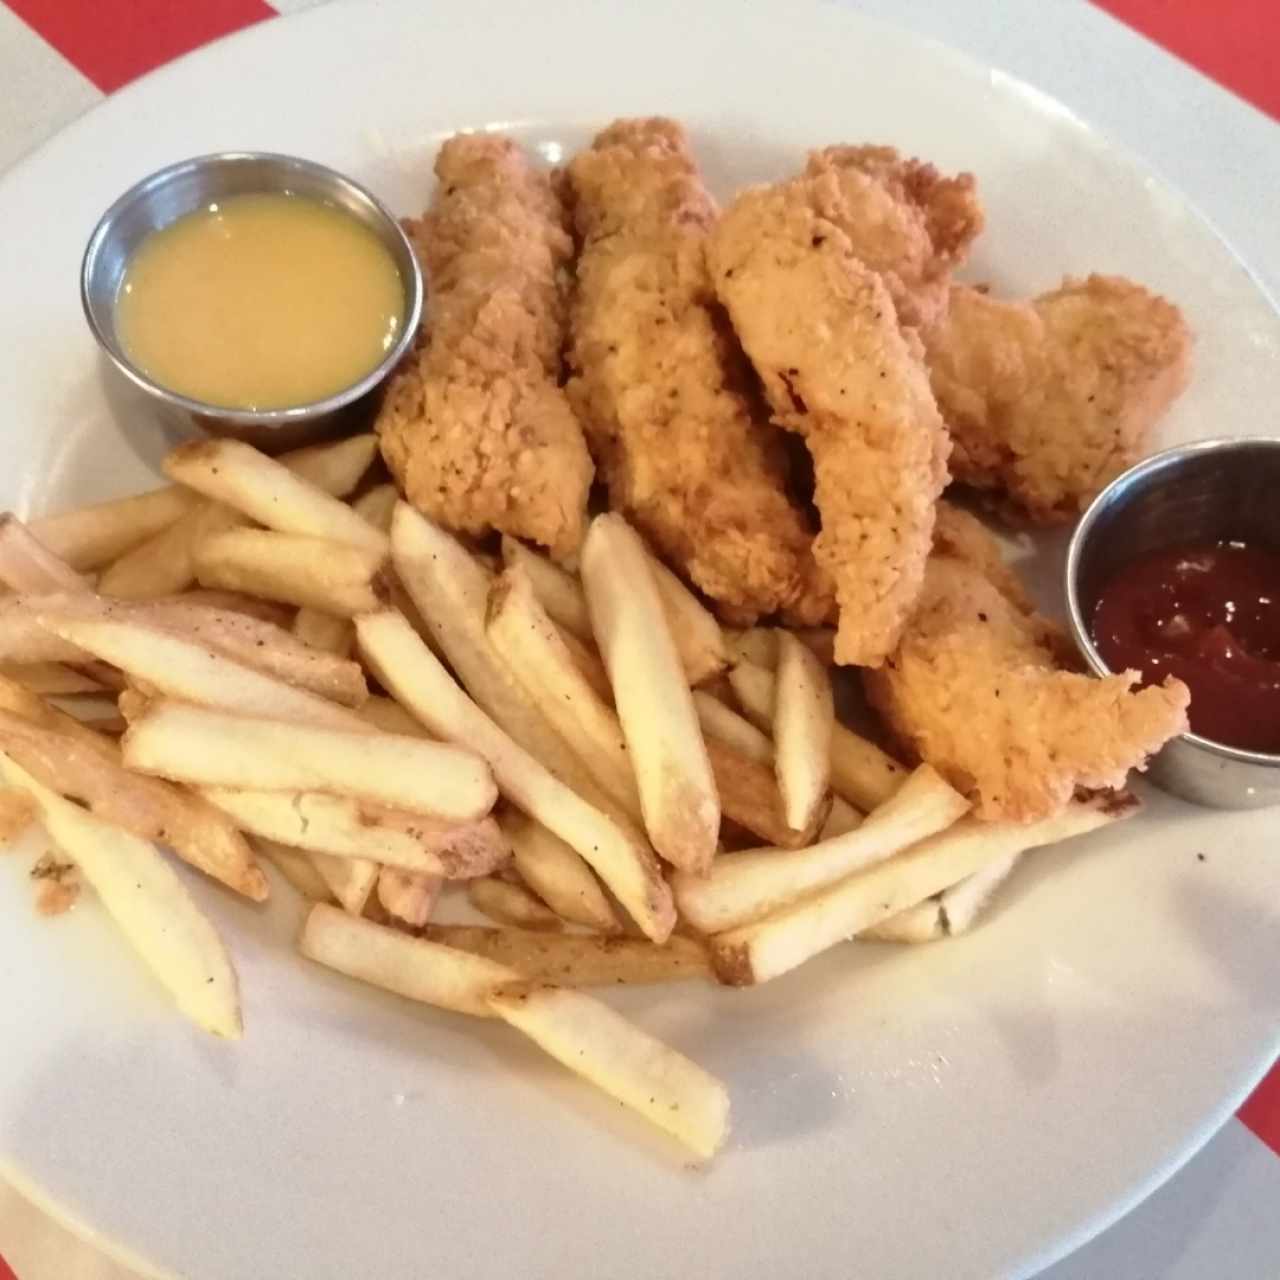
[57, 57]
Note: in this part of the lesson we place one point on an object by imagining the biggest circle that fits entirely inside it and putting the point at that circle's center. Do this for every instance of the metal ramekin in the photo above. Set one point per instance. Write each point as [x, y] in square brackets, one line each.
[1202, 493]
[181, 188]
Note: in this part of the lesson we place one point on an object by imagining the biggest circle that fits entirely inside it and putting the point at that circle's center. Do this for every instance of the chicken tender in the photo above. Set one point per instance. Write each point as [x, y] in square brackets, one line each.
[1047, 401]
[663, 391]
[821, 330]
[475, 427]
[973, 690]
[904, 220]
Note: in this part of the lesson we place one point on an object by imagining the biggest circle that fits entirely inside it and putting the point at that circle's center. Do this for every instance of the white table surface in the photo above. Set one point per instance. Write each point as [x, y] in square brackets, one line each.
[1217, 1219]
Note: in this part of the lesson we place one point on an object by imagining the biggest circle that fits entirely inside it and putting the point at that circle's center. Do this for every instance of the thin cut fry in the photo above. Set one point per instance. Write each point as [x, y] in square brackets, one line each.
[406, 667]
[349, 830]
[206, 747]
[842, 819]
[377, 506]
[93, 536]
[90, 772]
[747, 886]
[324, 631]
[696, 633]
[389, 716]
[411, 967]
[510, 904]
[165, 564]
[558, 875]
[628, 1064]
[803, 722]
[297, 868]
[578, 960]
[860, 771]
[407, 897]
[26, 564]
[778, 943]
[947, 914]
[726, 725]
[24, 641]
[297, 569]
[350, 880]
[269, 492]
[559, 592]
[668, 756]
[145, 897]
[51, 679]
[750, 797]
[531, 645]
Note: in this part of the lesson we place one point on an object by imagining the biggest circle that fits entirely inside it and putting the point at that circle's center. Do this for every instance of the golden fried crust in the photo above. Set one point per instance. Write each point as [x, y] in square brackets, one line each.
[972, 690]
[474, 426]
[904, 220]
[821, 330]
[1048, 401]
[660, 388]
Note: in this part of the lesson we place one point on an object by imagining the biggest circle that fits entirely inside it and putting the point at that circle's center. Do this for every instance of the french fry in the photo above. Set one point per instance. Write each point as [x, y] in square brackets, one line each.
[747, 886]
[726, 725]
[165, 564]
[389, 716]
[696, 634]
[510, 904]
[860, 771]
[842, 819]
[145, 897]
[750, 797]
[186, 669]
[262, 645]
[759, 645]
[93, 536]
[558, 875]
[90, 773]
[348, 830]
[664, 741]
[411, 967]
[297, 569]
[279, 615]
[630, 1065]
[24, 641]
[270, 493]
[351, 881]
[324, 631]
[407, 897]
[946, 914]
[27, 565]
[298, 869]
[51, 678]
[578, 960]
[377, 506]
[588, 662]
[17, 812]
[205, 747]
[778, 943]
[406, 667]
[529, 642]
[450, 592]
[23, 702]
[559, 592]
[803, 722]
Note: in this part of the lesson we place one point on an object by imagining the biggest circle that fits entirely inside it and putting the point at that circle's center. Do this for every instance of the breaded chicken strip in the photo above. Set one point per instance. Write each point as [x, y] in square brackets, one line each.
[904, 220]
[973, 690]
[662, 390]
[474, 426]
[821, 330]
[1049, 400]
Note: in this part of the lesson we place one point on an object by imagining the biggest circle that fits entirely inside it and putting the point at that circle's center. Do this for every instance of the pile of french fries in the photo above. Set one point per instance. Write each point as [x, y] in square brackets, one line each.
[628, 793]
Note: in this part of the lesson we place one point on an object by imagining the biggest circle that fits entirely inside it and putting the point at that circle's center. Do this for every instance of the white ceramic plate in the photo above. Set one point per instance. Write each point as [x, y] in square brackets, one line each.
[967, 1110]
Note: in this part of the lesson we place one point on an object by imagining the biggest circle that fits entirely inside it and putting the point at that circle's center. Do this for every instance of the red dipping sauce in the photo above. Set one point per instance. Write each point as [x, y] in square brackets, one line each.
[1209, 615]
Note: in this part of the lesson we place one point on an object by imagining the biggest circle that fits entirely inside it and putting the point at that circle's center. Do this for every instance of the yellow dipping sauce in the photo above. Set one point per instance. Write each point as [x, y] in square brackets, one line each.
[260, 302]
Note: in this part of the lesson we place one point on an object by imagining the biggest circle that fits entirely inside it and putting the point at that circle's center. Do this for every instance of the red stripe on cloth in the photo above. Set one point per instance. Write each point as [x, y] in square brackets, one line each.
[6, 1272]
[1262, 1112]
[114, 41]
[1236, 42]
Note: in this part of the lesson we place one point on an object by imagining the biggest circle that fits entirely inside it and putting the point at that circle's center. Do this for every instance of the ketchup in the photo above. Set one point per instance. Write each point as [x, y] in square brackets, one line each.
[1209, 615]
